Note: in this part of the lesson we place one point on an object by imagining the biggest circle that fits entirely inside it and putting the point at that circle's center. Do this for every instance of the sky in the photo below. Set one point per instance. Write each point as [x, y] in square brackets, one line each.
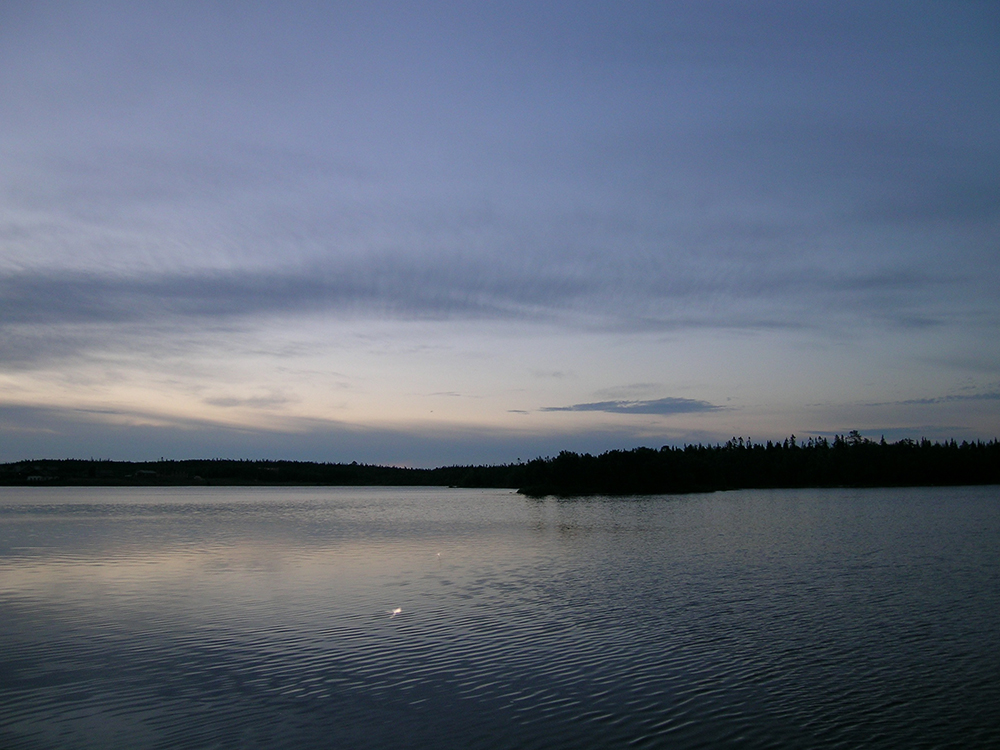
[427, 233]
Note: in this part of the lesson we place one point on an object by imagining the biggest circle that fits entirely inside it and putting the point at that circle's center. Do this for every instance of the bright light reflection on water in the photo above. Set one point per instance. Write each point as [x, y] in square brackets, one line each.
[243, 618]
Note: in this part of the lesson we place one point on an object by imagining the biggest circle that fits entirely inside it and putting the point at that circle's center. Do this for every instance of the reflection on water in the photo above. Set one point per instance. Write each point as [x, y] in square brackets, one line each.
[244, 618]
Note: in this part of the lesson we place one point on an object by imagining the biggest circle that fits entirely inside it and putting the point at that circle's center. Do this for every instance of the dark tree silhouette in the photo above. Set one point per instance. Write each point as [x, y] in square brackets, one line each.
[851, 461]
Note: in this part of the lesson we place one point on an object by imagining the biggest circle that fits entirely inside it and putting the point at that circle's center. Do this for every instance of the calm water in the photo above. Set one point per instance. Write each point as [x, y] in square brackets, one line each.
[261, 618]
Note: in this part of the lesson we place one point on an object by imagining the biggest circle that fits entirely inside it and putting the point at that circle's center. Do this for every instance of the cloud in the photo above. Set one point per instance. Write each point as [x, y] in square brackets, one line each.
[555, 374]
[391, 286]
[446, 286]
[55, 432]
[955, 398]
[51, 315]
[630, 392]
[656, 406]
[254, 402]
[969, 201]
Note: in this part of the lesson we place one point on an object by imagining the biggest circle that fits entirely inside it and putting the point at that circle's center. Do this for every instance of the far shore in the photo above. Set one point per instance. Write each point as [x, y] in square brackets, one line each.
[851, 461]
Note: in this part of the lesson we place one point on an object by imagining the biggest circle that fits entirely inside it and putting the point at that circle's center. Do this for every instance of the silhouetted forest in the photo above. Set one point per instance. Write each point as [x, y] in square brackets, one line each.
[236, 472]
[851, 461]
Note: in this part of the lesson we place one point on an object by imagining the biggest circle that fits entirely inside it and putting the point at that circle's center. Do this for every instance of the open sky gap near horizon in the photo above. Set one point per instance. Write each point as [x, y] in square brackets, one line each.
[434, 233]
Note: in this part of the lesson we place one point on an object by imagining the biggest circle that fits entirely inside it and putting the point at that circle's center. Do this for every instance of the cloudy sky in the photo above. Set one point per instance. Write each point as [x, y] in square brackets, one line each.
[433, 232]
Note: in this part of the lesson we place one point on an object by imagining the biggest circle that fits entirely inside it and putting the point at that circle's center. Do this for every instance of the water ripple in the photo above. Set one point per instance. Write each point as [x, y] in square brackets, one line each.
[262, 619]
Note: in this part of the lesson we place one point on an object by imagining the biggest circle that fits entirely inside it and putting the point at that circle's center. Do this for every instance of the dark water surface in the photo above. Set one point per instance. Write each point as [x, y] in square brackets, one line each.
[261, 618]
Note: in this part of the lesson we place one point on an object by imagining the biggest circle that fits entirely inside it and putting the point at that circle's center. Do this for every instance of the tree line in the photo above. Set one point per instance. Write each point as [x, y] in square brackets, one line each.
[845, 461]
[851, 461]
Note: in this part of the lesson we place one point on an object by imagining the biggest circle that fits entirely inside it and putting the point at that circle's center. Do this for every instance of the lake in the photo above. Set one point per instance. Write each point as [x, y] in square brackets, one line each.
[231, 617]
